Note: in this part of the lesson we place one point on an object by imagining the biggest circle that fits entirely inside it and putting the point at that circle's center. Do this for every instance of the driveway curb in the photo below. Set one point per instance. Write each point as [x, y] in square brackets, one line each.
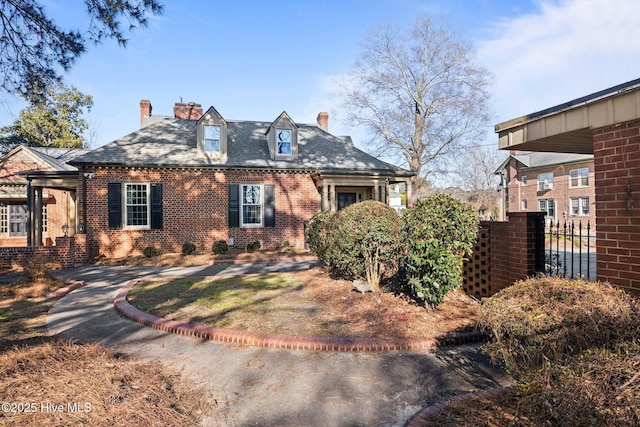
[284, 341]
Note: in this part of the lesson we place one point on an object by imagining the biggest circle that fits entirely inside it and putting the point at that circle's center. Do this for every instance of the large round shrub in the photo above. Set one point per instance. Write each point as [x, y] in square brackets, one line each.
[438, 233]
[318, 232]
[362, 241]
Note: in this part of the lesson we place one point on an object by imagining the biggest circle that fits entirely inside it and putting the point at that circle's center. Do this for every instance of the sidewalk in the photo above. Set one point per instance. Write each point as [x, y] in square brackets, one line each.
[269, 387]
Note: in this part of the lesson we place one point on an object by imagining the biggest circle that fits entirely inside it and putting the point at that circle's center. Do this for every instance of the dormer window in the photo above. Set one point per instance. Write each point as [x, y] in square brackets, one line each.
[212, 139]
[283, 141]
[282, 138]
[212, 136]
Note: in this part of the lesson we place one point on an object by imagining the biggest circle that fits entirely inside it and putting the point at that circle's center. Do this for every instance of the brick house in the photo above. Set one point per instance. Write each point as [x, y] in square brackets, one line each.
[199, 177]
[605, 124]
[24, 169]
[559, 184]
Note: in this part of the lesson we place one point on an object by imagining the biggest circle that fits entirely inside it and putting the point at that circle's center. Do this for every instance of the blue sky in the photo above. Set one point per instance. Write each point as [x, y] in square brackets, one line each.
[253, 59]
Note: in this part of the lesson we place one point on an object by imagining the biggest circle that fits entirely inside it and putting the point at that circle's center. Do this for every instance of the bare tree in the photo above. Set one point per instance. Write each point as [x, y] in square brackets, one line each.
[419, 94]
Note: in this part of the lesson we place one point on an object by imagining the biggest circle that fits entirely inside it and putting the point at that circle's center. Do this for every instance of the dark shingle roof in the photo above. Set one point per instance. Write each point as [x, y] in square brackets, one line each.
[172, 142]
[57, 158]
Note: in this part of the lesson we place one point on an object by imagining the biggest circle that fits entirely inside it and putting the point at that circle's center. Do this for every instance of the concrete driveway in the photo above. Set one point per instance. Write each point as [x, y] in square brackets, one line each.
[251, 386]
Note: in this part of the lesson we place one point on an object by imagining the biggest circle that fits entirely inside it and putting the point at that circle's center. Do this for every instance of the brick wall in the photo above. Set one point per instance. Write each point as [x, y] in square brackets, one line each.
[195, 210]
[616, 152]
[506, 251]
[66, 252]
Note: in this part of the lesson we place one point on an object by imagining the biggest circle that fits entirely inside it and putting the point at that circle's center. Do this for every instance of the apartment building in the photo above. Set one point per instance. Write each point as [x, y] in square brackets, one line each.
[559, 184]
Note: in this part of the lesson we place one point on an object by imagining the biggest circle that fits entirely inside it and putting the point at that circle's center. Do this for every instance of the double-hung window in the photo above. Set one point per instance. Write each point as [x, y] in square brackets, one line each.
[545, 181]
[136, 200]
[283, 142]
[579, 177]
[580, 206]
[251, 206]
[134, 205]
[211, 139]
[548, 206]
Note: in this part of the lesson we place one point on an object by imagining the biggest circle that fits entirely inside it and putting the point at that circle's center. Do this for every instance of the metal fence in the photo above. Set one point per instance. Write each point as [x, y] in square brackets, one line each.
[570, 250]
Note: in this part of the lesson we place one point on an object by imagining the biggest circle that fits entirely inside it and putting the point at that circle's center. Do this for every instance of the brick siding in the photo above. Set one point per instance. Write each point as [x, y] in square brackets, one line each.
[195, 209]
[617, 167]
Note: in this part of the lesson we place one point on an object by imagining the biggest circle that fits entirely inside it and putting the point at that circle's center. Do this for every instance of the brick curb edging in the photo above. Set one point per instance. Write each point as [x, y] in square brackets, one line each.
[67, 289]
[436, 408]
[283, 341]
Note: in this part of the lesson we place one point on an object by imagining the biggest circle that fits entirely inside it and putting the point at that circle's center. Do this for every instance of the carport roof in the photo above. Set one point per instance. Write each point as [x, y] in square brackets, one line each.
[567, 128]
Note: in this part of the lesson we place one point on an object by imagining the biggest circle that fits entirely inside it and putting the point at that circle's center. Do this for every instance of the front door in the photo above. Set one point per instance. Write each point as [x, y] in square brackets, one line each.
[346, 199]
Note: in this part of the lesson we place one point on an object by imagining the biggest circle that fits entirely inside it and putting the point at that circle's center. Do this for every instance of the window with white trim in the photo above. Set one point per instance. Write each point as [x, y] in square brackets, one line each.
[580, 206]
[545, 181]
[283, 142]
[523, 180]
[251, 206]
[136, 203]
[579, 178]
[211, 139]
[44, 217]
[548, 206]
[523, 205]
[4, 218]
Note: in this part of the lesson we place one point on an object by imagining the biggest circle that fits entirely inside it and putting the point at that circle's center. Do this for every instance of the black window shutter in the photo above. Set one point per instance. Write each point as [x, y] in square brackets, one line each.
[234, 205]
[156, 206]
[269, 206]
[114, 203]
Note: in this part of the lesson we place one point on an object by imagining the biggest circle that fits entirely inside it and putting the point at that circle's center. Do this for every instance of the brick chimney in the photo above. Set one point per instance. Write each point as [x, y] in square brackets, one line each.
[145, 110]
[323, 120]
[188, 111]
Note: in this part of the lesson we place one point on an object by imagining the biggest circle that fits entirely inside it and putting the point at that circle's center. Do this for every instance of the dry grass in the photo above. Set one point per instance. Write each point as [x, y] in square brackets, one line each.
[94, 385]
[307, 303]
[575, 348]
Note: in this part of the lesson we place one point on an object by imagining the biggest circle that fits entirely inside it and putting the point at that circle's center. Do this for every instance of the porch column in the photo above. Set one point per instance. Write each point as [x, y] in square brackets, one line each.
[30, 203]
[37, 217]
[408, 189]
[325, 198]
[376, 192]
[332, 198]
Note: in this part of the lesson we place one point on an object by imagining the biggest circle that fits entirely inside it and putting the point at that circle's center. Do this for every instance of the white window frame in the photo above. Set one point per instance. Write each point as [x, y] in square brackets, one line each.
[205, 139]
[581, 205]
[290, 153]
[523, 180]
[545, 181]
[523, 205]
[581, 177]
[125, 205]
[547, 203]
[259, 204]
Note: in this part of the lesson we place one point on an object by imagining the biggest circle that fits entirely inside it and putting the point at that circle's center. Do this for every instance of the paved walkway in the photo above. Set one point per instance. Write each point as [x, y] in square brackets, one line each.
[251, 386]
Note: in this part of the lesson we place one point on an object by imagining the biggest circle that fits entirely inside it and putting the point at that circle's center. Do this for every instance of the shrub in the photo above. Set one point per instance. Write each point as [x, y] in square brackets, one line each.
[363, 241]
[438, 232]
[188, 248]
[543, 320]
[150, 251]
[220, 247]
[317, 233]
[253, 246]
